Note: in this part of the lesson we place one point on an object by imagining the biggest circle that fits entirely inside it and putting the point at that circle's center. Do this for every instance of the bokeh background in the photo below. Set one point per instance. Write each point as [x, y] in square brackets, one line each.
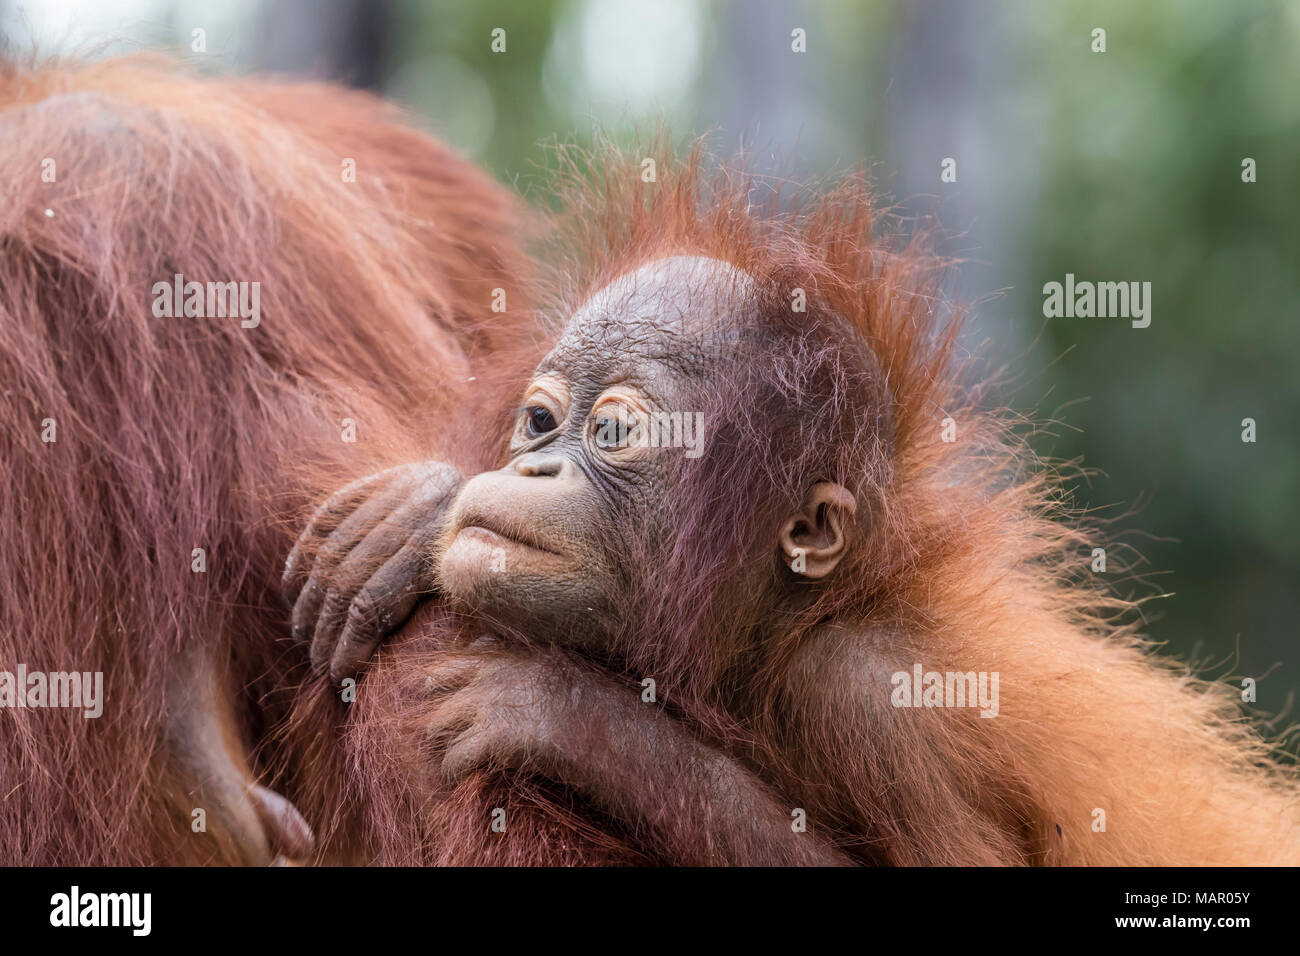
[1123, 165]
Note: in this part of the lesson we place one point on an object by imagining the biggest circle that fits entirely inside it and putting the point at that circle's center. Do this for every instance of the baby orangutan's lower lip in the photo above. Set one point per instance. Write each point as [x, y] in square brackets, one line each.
[495, 538]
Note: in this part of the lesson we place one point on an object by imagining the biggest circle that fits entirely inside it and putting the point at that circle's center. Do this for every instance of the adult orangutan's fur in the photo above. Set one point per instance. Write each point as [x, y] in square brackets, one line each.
[183, 433]
[176, 434]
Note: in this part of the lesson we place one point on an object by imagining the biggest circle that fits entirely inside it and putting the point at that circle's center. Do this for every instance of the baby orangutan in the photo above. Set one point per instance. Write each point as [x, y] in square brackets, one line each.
[773, 588]
[557, 544]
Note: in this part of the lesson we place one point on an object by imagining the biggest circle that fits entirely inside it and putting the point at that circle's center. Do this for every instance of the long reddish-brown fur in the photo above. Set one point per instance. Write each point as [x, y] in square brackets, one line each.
[182, 433]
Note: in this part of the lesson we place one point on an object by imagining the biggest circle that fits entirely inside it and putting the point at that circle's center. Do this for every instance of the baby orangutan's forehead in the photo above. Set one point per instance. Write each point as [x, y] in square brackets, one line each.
[670, 310]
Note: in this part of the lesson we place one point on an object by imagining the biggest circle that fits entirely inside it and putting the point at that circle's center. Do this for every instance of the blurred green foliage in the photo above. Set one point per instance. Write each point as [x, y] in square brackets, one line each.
[1142, 179]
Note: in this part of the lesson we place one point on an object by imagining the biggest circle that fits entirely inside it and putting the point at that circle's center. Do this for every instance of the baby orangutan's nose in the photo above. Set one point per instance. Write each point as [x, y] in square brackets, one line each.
[540, 465]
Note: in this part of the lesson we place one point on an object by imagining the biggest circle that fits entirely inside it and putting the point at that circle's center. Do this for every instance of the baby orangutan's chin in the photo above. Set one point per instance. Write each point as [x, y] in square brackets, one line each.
[482, 570]
[511, 585]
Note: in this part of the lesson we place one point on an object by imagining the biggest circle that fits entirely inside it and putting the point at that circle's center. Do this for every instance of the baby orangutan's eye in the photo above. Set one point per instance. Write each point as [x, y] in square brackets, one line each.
[540, 420]
[545, 405]
[610, 431]
[616, 427]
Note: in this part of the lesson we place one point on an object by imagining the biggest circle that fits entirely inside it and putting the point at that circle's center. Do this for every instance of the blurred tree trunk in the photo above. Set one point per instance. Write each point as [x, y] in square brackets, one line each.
[949, 99]
[755, 89]
[343, 40]
[935, 87]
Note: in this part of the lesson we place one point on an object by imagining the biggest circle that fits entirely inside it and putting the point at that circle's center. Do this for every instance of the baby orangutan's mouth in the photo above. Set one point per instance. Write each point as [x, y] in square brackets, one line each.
[480, 528]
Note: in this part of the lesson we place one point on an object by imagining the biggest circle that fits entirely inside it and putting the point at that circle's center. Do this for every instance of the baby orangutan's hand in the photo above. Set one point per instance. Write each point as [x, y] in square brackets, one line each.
[364, 561]
[539, 710]
[507, 708]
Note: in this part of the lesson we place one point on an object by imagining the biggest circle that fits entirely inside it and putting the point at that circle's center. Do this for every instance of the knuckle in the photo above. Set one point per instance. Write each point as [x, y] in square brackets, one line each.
[347, 493]
[371, 615]
[332, 617]
[332, 552]
[440, 479]
[362, 612]
[335, 604]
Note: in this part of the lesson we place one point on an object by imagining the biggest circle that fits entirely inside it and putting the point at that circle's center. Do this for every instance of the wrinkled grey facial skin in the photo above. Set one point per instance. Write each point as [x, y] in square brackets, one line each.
[547, 543]
[671, 313]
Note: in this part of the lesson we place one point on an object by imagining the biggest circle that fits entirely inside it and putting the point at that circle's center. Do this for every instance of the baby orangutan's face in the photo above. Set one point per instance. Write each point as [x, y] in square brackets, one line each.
[550, 543]
[547, 541]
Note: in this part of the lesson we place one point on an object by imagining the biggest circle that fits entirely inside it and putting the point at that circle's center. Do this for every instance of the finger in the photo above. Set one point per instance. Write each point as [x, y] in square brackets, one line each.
[345, 537]
[383, 604]
[469, 751]
[450, 675]
[348, 581]
[342, 504]
[380, 580]
[329, 622]
[322, 524]
[286, 831]
[456, 713]
[430, 485]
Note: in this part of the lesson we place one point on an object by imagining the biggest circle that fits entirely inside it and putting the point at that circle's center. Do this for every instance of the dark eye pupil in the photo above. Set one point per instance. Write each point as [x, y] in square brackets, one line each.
[610, 432]
[540, 420]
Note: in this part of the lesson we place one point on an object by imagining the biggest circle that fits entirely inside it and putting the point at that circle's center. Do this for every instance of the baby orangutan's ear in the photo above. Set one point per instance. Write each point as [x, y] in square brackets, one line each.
[816, 537]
